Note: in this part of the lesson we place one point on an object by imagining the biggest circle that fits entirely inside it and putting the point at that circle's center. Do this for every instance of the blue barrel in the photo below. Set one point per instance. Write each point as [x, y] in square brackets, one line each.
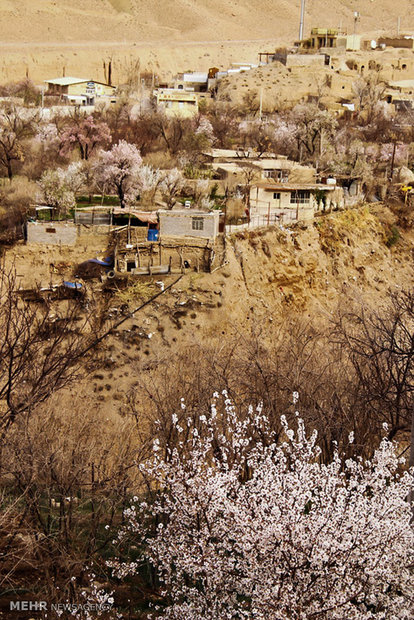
[152, 234]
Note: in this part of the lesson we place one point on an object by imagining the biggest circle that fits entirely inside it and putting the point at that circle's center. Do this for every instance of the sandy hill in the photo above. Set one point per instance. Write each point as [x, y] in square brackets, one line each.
[42, 36]
[145, 20]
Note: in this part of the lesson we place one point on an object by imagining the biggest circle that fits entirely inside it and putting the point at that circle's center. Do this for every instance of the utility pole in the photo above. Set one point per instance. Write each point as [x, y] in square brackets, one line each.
[302, 19]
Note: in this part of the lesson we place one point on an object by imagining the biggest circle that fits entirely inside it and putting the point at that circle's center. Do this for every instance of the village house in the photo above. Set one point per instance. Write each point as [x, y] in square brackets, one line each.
[405, 41]
[282, 170]
[80, 91]
[271, 202]
[195, 82]
[175, 102]
[189, 223]
[236, 165]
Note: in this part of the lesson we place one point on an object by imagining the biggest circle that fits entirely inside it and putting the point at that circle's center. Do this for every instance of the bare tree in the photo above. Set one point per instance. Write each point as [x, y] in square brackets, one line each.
[368, 91]
[39, 353]
[15, 127]
[70, 473]
[380, 346]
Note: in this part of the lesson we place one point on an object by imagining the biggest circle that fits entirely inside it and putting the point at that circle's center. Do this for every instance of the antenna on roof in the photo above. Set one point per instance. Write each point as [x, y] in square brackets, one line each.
[302, 19]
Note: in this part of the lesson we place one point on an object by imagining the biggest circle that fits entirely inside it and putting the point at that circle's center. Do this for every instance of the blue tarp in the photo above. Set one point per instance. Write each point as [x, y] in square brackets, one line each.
[72, 285]
[106, 262]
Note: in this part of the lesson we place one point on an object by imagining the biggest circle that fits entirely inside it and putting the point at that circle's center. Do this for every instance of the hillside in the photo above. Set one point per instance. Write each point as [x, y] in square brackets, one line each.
[41, 37]
[47, 21]
[273, 274]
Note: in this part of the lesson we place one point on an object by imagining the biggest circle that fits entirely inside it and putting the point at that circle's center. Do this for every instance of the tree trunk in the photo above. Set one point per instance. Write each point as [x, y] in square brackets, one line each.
[9, 170]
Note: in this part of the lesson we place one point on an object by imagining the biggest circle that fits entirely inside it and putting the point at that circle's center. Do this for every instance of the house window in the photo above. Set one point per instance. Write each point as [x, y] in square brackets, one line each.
[276, 195]
[278, 175]
[197, 223]
[301, 197]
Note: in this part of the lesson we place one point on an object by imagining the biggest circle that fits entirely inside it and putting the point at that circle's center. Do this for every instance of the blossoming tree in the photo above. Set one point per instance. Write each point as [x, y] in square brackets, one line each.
[119, 170]
[85, 133]
[58, 187]
[259, 529]
[171, 185]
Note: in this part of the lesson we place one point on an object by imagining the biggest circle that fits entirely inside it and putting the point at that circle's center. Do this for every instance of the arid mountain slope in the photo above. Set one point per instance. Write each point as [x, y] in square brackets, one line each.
[46, 38]
[141, 20]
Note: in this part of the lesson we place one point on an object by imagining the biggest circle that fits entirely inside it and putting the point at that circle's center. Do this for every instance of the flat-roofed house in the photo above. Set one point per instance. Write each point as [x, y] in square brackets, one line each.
[189, 223]
[193, 82]
[270, 202]
[175, 102]
[80, 90]
[284, 170]
[233, 165]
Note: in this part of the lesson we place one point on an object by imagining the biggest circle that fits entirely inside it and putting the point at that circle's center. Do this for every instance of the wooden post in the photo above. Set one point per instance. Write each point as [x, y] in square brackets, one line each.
[159, 250]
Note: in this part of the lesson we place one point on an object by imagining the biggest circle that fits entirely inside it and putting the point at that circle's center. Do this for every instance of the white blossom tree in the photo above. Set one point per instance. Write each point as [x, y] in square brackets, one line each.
[171, 185]
[200, 189]
[149, 179]
[119, 170]
[58, 187]
[252, 528]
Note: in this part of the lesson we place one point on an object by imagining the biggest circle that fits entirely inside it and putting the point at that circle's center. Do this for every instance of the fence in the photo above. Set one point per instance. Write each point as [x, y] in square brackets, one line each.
[257, 221]
[96, 218]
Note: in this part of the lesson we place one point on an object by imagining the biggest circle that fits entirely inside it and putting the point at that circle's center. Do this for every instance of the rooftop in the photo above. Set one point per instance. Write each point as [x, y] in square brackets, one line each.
[292, 187]
[273, 164]
[239, 154]
[66, 81]
[189, 212]
[196, 77]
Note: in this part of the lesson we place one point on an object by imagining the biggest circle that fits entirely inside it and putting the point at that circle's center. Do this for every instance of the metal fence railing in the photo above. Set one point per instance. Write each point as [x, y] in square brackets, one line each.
[258, 221]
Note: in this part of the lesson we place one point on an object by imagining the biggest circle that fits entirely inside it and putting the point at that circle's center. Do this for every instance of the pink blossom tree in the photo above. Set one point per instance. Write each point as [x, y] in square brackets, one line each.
[119, 170]
[249, 527]
[86, 134]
